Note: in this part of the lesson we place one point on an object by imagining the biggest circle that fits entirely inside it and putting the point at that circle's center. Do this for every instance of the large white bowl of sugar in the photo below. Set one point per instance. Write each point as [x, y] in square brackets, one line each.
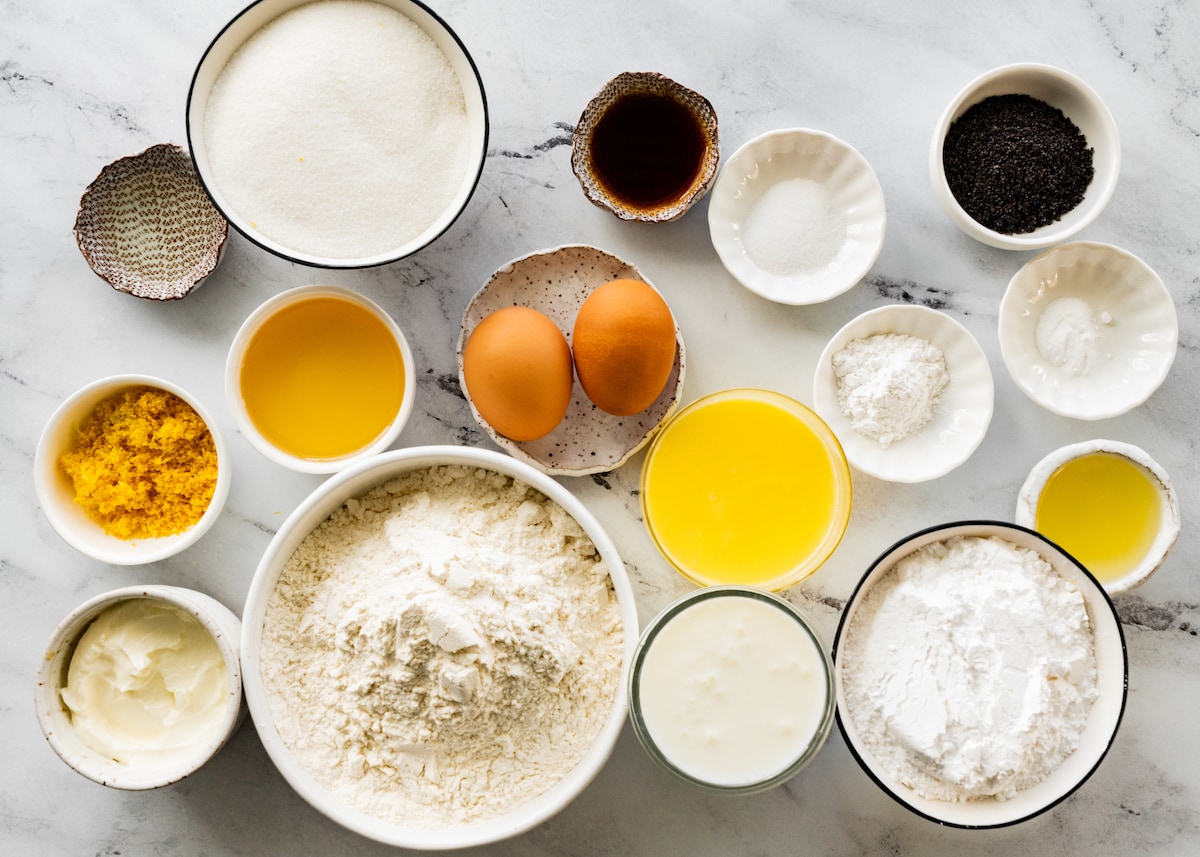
[341, 133]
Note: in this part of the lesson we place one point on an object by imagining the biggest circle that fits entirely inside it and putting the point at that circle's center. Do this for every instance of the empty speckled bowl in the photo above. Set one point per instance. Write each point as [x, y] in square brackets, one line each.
[147, 228]
[1124, 328]
[601, 192]
[556, 282]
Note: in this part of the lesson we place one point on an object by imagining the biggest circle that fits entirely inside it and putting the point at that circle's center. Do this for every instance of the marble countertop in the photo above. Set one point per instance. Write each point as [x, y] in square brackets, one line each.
[82, 84]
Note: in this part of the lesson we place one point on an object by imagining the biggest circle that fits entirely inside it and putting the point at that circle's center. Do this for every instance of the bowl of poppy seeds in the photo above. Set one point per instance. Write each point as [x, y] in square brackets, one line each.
[1025, 156]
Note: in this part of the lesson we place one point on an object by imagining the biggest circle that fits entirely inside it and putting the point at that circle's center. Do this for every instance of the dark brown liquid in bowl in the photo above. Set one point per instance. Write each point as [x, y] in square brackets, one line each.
[647, 149]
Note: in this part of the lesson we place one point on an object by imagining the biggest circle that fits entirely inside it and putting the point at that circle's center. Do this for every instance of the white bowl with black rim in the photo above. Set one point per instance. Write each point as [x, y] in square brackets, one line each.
[1102, 721]
[345, 207]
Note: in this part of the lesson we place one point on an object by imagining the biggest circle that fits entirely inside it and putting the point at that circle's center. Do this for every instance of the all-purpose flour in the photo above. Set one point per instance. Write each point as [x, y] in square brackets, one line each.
[443, 647]
[970, 669]
[338, 129]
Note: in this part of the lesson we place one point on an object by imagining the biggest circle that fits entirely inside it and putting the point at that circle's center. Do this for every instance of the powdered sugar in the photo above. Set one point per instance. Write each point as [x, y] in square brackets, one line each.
[339, 129]
[442, 648]
[889, 385]
[970, 668]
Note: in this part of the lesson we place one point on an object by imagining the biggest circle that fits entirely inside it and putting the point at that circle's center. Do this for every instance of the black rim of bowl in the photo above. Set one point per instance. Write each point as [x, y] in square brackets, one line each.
[837, 641]
[187, 118]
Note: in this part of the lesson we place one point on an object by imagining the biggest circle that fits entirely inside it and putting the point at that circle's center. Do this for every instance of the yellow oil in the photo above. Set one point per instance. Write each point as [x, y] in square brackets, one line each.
[1104, 510]
[322, 378]
[742, 490]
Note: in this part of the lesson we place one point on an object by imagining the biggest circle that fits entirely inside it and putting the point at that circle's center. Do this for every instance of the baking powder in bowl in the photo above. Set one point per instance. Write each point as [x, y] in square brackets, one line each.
[442, 648]
[969, 669]
[339, 129]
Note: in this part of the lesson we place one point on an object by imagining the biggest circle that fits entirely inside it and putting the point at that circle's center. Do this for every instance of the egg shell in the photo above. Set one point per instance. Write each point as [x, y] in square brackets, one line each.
[624, 346]
[517, 368]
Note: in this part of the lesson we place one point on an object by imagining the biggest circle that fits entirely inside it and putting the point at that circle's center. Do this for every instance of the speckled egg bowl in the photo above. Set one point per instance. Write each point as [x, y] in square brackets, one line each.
[56, 494]
[556, 282]
[1102, 722]
[146, 227]
[960, 420]
[1171, 522]
[1079, 103]
[581, 138]
[839, 170]
[1136, 344]
[257, 15]
[313, 511]
[55, 719]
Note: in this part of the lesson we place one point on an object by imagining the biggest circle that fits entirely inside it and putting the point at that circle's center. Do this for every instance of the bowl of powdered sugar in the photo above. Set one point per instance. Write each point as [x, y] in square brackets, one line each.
[435, 646]
[980, 673]
[338, 133]
[907, 390]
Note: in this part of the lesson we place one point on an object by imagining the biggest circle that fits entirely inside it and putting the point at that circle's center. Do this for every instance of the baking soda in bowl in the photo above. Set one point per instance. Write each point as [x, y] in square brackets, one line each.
[338, 130]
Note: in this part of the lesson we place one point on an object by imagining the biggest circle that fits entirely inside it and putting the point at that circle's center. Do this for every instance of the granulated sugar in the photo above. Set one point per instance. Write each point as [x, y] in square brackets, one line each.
[794, 228]
[339, 129]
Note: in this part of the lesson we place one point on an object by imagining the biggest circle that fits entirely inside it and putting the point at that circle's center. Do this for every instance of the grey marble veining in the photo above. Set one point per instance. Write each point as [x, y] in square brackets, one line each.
[82, 84]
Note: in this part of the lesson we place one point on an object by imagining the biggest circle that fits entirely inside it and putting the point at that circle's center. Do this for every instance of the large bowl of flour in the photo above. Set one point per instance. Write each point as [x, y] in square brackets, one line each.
[434, 647]
[338, 133]
[980, 673]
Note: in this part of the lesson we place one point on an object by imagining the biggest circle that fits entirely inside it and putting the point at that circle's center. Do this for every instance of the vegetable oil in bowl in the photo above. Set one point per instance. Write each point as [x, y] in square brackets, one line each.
[746, 487]
[319, 375]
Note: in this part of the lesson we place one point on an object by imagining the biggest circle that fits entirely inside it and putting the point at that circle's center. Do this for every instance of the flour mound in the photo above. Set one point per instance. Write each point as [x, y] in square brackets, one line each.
[442, 648]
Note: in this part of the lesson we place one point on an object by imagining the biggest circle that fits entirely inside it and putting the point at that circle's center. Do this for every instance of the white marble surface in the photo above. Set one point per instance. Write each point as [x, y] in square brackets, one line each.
[82, 84]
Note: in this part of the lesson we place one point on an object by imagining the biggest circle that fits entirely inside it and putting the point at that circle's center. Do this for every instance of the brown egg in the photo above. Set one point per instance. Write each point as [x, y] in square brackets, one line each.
[517, 369]
[624, 346]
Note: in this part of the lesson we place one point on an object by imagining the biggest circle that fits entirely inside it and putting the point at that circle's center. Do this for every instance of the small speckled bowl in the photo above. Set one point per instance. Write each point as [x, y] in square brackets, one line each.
[556, 282]
[147, 228]
[854, 195]
[56, 494]
[55, 718]
[1134, 321]
[1171, 521]
[1079, 103]
[960, 420]
[581, 141]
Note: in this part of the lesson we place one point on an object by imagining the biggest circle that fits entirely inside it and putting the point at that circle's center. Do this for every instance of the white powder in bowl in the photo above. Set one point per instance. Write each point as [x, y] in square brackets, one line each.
[969, 669]
[339, 130]
[794, 228]
[442, 648]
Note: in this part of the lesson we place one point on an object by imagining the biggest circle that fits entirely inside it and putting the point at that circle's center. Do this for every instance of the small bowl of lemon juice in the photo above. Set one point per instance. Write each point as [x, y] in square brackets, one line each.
[1108, 504]
[746, 487]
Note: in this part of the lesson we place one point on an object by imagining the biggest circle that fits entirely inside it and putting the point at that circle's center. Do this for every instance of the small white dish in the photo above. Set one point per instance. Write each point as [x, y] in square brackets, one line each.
[1133, 318]
[847, 182]
[1171, 522]
[237, 404]
[556, 282]
[56, 494]
[1079, 103]
[960, 420]
[55, 719]
[1102, 722]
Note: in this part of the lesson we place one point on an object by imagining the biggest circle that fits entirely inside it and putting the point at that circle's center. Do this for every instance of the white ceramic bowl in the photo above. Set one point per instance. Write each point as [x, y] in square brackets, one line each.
[253, 18]
[556, 282]
[853, 193]
[56, 495]
[1079, 103]
[315, 509]
[55, 719]
[960, 420]
[1102, 722]
[1135, 346]
[1171, 521]
[237, 352]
